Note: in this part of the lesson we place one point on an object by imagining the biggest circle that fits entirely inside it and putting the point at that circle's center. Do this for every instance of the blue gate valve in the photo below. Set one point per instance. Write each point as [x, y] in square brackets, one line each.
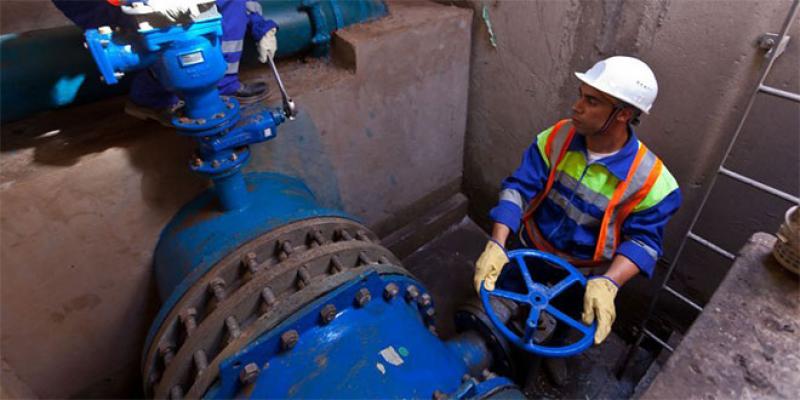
[187, 59]
[539, 297]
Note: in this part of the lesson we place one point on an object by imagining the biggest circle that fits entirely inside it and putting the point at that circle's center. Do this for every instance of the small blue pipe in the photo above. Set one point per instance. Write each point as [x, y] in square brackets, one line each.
[232, 191]
[471, 348]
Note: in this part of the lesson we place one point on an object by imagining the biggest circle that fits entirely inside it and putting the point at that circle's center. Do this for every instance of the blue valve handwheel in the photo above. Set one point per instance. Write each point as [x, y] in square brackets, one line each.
[538, 298]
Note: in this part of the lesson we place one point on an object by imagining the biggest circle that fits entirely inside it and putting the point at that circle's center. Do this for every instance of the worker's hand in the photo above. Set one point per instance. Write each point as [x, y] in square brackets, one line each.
[599, 302]
[174, 10]
[489, 265]
[267, 46]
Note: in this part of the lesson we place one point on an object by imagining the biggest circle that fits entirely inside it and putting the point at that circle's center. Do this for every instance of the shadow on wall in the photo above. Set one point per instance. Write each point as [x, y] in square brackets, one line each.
[298, 151]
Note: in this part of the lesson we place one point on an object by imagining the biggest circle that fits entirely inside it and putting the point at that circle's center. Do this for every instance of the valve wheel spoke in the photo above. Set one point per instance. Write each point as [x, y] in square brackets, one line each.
[531, 324]
[568, 320]
[519, 298]
[563, 284]
[525, 273]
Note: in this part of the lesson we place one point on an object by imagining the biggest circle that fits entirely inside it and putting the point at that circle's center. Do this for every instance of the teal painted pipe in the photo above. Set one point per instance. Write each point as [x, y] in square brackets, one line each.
[46, 69]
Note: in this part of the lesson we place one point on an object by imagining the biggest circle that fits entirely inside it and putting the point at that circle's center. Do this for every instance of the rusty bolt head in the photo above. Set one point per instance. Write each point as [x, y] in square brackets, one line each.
[488, 374]
[390, 291]
[189, 312]
[328, 313]
[184, 120]
[439, 395]
[215, 164]
[234, 157]
[249, 373]
[425, 300]
[289, 339]
[250, 260]
[412, 292]
[363, 297]
[197, 162]
[465, 378]
[200, 121]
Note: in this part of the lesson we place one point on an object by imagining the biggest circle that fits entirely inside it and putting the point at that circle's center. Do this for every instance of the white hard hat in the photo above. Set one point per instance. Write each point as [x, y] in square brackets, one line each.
[625, 78]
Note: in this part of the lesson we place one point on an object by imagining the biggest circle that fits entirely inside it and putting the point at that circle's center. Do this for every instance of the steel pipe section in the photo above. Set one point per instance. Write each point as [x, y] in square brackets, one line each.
[312, 308]
[49, 68]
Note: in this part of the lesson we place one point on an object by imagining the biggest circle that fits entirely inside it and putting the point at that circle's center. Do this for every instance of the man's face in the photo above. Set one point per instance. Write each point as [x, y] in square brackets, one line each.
[591, 110]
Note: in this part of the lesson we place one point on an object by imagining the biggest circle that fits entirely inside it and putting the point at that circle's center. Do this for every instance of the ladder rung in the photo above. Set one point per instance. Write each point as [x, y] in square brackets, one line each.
[779, 93]
[758, 185]
[658, 340]
[684, 298]
[711, 246]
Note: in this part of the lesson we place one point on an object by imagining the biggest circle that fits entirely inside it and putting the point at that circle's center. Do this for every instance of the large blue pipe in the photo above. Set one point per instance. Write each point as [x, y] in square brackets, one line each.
[48, 69]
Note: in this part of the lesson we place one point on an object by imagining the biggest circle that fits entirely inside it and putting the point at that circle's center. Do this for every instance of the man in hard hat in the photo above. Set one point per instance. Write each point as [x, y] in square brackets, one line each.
[148, 98]
[588, 190]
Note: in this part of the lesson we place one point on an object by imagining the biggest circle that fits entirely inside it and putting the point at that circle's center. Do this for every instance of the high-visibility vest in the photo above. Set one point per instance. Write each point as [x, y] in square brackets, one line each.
[642, 175]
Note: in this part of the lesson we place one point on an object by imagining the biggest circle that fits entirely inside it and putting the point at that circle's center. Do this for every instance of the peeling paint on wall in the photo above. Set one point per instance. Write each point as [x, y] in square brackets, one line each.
[488, 23]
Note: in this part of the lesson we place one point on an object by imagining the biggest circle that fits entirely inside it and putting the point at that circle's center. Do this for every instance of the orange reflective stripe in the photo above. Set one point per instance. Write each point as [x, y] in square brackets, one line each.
[553, 166]
[549, 145]
[615, 205]
[637, 198]
[618, 192]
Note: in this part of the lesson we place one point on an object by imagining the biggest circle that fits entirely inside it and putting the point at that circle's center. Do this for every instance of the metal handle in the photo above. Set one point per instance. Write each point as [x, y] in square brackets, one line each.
[289, 108]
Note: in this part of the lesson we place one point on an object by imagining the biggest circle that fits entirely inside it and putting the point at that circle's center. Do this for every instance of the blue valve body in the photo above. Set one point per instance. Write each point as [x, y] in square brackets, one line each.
[187, 59]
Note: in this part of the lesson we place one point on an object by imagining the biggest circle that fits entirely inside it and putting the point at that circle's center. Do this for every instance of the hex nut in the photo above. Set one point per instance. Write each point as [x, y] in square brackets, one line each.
[363, 297]
[425, 300]
[249, 373]
[328, 313]
[390, 291]
[412, 292]
[289, 339]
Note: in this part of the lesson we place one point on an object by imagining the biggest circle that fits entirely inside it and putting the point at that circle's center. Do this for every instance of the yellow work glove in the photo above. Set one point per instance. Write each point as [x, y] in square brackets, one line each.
[489, 265]
[599, 302]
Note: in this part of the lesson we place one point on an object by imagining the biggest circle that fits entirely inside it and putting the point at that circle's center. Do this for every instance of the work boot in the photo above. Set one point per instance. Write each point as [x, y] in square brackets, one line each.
[161, 115]
[252, 91]
[556, 370]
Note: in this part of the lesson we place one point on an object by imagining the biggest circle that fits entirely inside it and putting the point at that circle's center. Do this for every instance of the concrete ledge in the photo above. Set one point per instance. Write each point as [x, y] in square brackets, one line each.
[424, 228]
[746, 343]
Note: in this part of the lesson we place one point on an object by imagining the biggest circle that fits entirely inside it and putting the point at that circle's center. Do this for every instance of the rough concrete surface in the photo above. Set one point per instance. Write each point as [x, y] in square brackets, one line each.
[24, 15]
[85, 191]
[746, 344]
[705, 57]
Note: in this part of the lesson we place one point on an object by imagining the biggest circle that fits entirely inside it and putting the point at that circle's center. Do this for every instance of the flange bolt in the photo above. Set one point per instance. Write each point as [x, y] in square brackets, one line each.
[249, 374]
[390, 291]
[363, 297]
[289, 339]
[328, 313]
[412, 292]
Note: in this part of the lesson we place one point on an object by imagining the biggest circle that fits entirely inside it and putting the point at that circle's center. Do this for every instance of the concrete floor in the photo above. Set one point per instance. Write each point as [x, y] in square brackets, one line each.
[445, 266]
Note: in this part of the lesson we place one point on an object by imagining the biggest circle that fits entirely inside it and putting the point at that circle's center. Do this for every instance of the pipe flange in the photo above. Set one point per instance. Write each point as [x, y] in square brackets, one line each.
[246, 287]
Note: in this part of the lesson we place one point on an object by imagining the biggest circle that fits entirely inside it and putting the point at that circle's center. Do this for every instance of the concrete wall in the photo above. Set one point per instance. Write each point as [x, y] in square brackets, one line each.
[25, 15]
[705, 57]
[86, 191]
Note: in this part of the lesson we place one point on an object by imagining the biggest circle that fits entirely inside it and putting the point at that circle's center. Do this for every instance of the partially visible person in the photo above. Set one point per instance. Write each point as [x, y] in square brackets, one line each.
[591, 192]
[148, 98]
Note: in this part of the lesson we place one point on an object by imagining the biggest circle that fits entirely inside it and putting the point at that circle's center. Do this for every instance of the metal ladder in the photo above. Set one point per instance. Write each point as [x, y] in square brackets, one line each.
[776, 44]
